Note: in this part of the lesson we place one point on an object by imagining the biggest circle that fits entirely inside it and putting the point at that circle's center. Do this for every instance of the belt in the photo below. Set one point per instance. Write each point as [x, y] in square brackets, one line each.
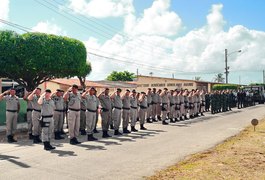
[149, 103]
[178, 104]
[117, 108]
[29, 109]
[48, 116]
[74, 109]
[154, 103]
[11, 110]
[143, 107]
[164, 103]
[104, 110]
[126, 108]
[59, 110]
[171, 104]
[91, 110]
[133, 107]
[37, 110]
[83, 110]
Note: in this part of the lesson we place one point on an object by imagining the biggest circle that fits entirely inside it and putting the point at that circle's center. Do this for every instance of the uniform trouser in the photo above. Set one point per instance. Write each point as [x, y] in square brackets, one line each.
[182, 110]
[164, 115]
[177, 113]
[29, 121]
[96, 120]
[202, 108]
[125, 117]
[82, 120]
[36, 128]
[58, 120]
[149, 111]
[195, 110]
[106, 118]
[172, 112]
[116, 116]
[133, 116]
[154, 110]
[73, 123]
[90, 122]
[159, 110]
[142, 115]
[198, 107]
[11, 123]
[47, 129]
[191, 111]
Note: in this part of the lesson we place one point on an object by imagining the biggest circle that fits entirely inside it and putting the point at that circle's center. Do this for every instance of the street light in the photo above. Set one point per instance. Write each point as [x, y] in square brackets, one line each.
[227, 67]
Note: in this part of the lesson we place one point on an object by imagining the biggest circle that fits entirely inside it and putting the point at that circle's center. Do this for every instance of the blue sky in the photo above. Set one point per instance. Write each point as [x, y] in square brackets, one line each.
[189, 32]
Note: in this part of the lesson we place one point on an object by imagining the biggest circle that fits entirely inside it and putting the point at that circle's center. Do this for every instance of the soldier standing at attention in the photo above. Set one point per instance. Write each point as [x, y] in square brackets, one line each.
[154, 96]
[36, 115]
[142, 111]
[133, 112]
[12, 109]
[91, 110]
[29, 114]
[58, 115]
[47, 122]
[116, 113]
[172, 106]
[191, 102]
[97, 113]
[83, 116]
[126, 111]
[202, 101]
[149, 105]
[159, 107]
[106, 105]
[164, 105]
[207, 102]
[186, 103]
[177, 112]
[74, 99]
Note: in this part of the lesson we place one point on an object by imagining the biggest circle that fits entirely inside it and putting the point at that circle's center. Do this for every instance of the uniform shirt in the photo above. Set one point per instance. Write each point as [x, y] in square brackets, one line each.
[29, 105]
[74, 101]
[149, 98]
[83, 104]
[91, 101]
[117, 102]
[133, 102]
[171, 99]
[177, 99]
[47, 107]
[144, 102]
[34, 102]
[155, 97]
[159, 99]
[59, 102]
[164, 98]
[126, 102]
[181, 98]
[202, 96]
[105, 102]
[11, 102]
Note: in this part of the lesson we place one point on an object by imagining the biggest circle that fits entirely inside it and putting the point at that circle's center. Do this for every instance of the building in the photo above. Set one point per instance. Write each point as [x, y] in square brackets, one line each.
[144, 82]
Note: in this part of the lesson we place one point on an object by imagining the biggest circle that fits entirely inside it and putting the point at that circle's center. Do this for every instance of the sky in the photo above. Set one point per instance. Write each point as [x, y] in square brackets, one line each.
[170, 38]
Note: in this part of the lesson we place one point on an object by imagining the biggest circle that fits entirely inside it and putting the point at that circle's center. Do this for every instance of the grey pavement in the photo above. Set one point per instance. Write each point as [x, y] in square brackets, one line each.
[133, 156]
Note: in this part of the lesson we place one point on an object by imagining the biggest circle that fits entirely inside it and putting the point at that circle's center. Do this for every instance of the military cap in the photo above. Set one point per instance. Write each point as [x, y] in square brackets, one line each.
[75, 86]
[48, 91]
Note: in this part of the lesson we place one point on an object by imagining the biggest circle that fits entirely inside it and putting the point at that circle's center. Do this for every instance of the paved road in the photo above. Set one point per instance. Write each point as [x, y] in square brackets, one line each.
[126, 157]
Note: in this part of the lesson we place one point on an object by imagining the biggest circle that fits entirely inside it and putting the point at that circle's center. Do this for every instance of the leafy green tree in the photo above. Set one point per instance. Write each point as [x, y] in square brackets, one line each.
[83, 73]
[225, 87]
[121, 76]
[198, 78]
[33, 58]
[219, 78]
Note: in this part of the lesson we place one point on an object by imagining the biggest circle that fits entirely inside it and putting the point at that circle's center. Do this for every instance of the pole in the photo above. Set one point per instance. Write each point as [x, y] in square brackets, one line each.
[226, 68]
[263, 76]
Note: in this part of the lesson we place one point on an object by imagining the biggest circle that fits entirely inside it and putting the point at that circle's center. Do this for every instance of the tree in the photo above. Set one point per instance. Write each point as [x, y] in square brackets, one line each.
[219, 78]
[225, 87]
[197, 78]
[121, 76]
[83, 73]
[33, 58]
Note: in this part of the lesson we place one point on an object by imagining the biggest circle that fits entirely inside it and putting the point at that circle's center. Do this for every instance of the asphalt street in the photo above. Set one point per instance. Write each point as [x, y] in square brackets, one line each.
[132, 156]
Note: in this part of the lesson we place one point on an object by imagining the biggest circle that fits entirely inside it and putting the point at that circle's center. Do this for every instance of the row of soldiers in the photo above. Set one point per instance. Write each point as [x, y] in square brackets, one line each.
[46, 112]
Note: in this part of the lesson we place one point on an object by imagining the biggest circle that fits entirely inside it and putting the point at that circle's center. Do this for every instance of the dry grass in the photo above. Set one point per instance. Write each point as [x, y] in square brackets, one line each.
[240, 157]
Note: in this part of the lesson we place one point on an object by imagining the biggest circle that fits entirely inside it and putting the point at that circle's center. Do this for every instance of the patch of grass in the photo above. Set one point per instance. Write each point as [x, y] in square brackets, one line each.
[239, 157]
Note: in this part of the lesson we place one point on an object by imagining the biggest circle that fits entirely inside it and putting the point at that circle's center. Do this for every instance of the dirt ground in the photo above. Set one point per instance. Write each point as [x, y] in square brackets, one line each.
[240, 157]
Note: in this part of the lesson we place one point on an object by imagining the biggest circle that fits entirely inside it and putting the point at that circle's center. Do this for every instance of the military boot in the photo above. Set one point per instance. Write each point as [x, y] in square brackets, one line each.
[133, 129]
[117, 133]
[126, 131]
[142, 127]
[164, 122]
[105, 134]
[90, 137]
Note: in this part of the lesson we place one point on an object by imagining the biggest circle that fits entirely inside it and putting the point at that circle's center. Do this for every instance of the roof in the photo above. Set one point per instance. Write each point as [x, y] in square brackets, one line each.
[176, 79]
[115, 84]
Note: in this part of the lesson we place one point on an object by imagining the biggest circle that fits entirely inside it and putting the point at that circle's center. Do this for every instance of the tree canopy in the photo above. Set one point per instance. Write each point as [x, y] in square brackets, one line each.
[225, 87]
[33, 58]
[219, 78]
[121, 76]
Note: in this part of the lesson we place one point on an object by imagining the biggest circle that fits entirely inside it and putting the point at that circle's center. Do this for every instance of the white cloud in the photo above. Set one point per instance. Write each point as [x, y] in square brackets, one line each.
[4, 10]
[48, 27]
[200, 50]
[156, 20]
[102, 8]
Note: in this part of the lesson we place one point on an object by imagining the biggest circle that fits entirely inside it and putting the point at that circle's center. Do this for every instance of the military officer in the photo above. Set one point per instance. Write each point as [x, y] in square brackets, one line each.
[149, 106]
[202, 102]
[159, 107]
[12, 109]
[91, 109]
[143, 109]
[83, 115]
[58, 115]
[36, 115]
[172, 105]
[133, 111]
[97, 113]
[154, 102]
[106, 105]
[47, 122]
[29, 114]
[191, 102]
[164, 105]
[126, 107]
[178, 113]
[74, 101]
[185, 95]
[116, 113]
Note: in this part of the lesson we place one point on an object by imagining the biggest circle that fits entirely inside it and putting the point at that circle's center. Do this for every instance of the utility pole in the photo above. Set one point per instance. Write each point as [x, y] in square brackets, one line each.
[263, 76]
[173, 75]
[226, 67]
